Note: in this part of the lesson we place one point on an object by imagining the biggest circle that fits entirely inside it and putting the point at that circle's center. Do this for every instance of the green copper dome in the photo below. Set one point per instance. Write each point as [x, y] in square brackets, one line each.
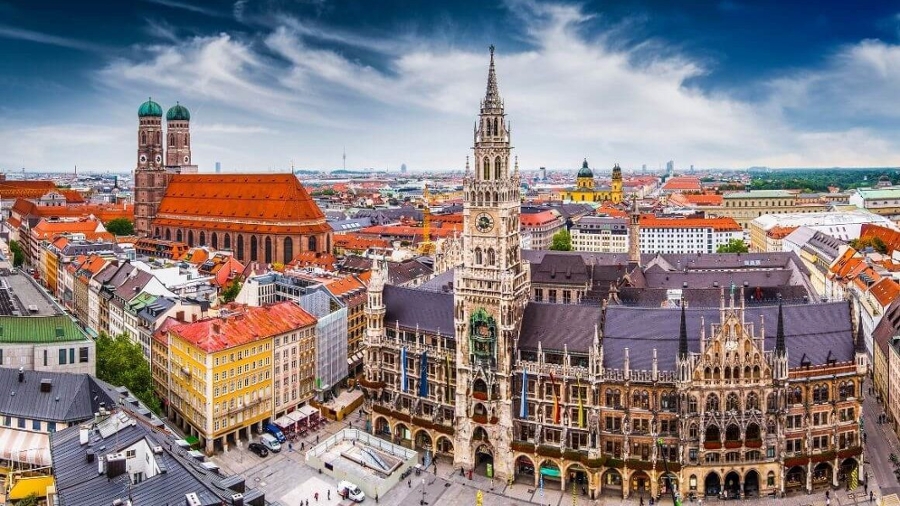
[585, 170]
[178, 112]
[149, 108]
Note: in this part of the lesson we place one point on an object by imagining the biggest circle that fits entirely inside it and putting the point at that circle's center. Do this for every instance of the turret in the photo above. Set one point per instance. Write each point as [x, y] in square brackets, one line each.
[861, 352]
[781, 363]
[634, 236]
[684, 362]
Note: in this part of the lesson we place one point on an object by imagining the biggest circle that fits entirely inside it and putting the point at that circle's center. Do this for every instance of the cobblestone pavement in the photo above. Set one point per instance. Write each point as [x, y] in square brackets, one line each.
[285, 478]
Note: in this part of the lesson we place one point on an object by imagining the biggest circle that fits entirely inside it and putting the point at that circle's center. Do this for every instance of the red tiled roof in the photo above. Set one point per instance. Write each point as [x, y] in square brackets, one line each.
[891, 238]
[358, 243]
[103, 212]
[72, 196]
[325, 261]
[717, 224]
[274, 203]
[245, 326]
[540, 218]
[682, 183]
[343, 285]
[27, 189]
[696, 200]
[780, 232]
[92, 229]
[885, 291]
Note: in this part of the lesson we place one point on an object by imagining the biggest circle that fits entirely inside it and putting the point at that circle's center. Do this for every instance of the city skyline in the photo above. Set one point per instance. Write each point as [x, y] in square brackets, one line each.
[272, 84]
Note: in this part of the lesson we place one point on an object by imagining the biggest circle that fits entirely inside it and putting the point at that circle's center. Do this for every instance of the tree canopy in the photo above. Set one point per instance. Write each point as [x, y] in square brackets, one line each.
[562, 241]
[121, 362]
[733, 246]
[18, 256]
[120, 226]
[873, 242]
[231, 291]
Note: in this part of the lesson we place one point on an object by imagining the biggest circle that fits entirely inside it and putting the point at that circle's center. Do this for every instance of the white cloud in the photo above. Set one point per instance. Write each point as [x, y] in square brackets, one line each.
[569, 95]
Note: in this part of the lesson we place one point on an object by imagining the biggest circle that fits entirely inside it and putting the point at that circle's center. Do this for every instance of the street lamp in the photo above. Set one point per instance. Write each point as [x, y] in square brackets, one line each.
[422, 502]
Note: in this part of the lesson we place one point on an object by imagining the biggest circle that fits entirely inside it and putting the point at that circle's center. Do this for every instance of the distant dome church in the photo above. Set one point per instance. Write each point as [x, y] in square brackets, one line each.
[585, 191]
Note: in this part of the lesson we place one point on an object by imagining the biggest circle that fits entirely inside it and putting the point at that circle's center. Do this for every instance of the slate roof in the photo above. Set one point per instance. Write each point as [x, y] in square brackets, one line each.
[72, 397]
[888, 327]
[555, 325]
[811, 330]
[430, 311]
[563, 269]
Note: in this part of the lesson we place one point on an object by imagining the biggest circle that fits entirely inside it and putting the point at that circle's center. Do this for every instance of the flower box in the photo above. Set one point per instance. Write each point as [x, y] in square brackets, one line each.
[795, 461]
[616, 463]
[523, 446]
[549, 451]
[572, 455]
[593, 463]
[381, 409]
[823, 457]
[849, 452]
[732, 444]
[482, 419]
[481, 396]
[753, 443]
[643, 465]
[494, 419]
[712, 445]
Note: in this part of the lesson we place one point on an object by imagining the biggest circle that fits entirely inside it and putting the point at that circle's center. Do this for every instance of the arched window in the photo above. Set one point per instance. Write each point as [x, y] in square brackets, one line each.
[752, 401]
[752, 431]
[158, 138]
[267, 250]
[733, 433]
[178, 236]
[156, 234]
[713, 433]
[313, 245]
[478, 256]
[226, 241]
[796, 396]
[171, 140]
[707, 373]
[144, 138]
[771, 402]
[498, 165]
[215, 240]
[168, 234]
[254, 248]
[491, 256]
[486, 167]
[613, 398]
[190, 238]
[712, 402]
[496, 126]
[732, 402]
[202, 238]
[727, 374]
[692, 404]
[240, 247]
[288, 250]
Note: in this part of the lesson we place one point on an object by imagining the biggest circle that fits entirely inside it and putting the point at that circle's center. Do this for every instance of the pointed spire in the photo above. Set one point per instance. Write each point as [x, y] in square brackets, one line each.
[682, 335]
[860, 334]
[492, 94]
[779, 333]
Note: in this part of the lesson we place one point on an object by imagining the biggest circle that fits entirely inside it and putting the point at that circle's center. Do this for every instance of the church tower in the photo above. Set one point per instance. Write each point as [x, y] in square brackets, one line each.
[616, 192]
[178, 135]
[491, 290]
[149, 175]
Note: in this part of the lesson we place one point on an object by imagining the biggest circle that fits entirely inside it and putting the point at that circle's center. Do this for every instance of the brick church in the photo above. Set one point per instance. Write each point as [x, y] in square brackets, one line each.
[259, 217]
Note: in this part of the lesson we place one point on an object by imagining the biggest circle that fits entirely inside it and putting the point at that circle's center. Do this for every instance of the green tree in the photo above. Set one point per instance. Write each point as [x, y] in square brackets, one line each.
[231, 291]
[733, 246]
[18, 255]
[121, 362]
[120, 226]
[31, 500]
[562, 241]
[872, 241]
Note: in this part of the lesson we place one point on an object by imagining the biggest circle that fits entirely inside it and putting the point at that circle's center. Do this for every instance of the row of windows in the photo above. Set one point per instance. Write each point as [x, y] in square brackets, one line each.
[35, 425]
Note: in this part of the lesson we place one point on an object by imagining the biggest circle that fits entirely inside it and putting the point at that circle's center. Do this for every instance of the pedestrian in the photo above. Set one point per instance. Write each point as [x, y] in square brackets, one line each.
[872, 496]
[409, 483]
[827, 494]
[317, 439]
[329, 494]
[866, 487]
[316, 495]
[302, 445]
[461, 472]
[827, 501]
[376, 497]
[642, 500]
[290, 447]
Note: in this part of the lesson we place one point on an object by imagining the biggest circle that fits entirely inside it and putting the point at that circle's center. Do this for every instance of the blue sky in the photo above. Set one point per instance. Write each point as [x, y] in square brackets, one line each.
[727, 83]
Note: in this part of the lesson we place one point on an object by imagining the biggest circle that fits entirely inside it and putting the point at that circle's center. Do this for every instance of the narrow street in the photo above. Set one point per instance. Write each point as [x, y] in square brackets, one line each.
[881, 442]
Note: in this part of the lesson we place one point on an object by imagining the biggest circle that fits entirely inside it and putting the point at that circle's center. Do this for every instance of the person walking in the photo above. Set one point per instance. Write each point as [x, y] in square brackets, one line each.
[329, 494]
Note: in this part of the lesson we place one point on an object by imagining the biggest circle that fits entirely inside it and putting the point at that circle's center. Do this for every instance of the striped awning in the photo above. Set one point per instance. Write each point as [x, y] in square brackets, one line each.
[25, 447]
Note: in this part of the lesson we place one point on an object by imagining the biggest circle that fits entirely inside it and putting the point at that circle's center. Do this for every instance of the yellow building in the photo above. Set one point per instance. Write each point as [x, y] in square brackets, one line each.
[216, 375]
[744, 207]
[585, 191]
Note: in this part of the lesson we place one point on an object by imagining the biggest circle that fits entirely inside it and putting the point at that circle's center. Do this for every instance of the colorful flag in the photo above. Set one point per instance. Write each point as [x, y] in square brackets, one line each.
[555, 400]
[403, 369]
[580, 406]
[447, 378]
[523, 409]
[423, 380]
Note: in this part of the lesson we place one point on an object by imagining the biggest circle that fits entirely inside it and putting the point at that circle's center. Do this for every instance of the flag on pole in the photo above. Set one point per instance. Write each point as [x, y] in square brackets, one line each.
[580, 406]
[523, 409]
[403, 369]
[447, 378]
[854, 478]
[423, 380]
[555, 400]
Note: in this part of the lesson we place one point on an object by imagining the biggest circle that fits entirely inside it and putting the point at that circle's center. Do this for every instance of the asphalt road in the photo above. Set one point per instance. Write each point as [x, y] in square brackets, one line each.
[880, 443]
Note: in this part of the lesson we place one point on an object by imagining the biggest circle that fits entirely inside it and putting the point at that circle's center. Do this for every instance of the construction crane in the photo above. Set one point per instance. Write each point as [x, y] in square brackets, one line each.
[426, 247]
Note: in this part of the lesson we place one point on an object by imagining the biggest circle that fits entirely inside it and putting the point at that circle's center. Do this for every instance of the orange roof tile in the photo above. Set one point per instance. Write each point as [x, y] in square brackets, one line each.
[717, 224]
[26, 189]
[690, 199]
[682, 183]
[344, 285]
[72, 196]
[780, 232]
[540, 218]
[325, 261]
[355, 242]
[891, 238]
[244, 326]
[885, 291]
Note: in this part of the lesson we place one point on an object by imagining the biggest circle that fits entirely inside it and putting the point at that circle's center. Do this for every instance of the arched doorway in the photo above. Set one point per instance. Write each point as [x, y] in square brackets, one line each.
[402, 435]
[795, 478]
[578, 475]
[823, 474]
[444, 445]
[423, 440]
[524, 470]
[667, 483]
[751, 484]
[484, 460]
[732, 485]
[640, 482]
[382, 427]
[712, 485]
[847, 467]
[550, 472]
[611, 482]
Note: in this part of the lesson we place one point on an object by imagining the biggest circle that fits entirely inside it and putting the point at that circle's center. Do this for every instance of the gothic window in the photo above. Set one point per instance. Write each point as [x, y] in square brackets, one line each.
[254, 248]
[613, 398]
[732, 402]
[491, 256]
[496, 126]
[713, 433]
[712, 402]
[752, 401]
[727, 374]
[215, 240]
[820, 393]
[312, 243]
[733, 433]
[771, 402]
[498, 165]
[187, 139]
[168, 234]
[486, 163]
[226, 242]
[240, 247]
[756, 372]
[796, 396]
[171, 140]
[267, 249]
[847, 389]
[692, 404]
[158, 138]
[157, 232]
[752, 431]
[716, 373]
[190, 238]
[288, 250]
[143, 138]
[202, 238]
[478, 256]
[178, 236]
[707, 373]
[693, 432]
[667, 401]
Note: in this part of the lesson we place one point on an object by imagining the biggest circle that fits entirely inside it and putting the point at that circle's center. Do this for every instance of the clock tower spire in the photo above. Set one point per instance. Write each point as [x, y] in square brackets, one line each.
[491, 290]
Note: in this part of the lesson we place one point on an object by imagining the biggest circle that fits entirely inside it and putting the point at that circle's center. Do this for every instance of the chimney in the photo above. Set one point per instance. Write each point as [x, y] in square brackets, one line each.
[237, 499]
[46, 385]
[21, 375]
[84, 434]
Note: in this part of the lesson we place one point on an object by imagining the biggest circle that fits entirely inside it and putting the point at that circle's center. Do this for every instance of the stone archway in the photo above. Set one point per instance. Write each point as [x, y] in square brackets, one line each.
[402, 435]
[846, 469]
[732, 485]
[823, 475]
[667, 482]
[611, 482]
[423, 440]
[751, 483]
[712, 484]
[639, 482]
[795, 478]
[524, 470]
[483, 456]
[444, 445]
[577, 474]
[382, 426]
[550, 471]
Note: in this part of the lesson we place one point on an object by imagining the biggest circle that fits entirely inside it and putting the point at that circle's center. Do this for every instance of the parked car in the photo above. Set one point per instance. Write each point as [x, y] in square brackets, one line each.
[259, 449]
[273, 429]
[270, 442]
[350, 491]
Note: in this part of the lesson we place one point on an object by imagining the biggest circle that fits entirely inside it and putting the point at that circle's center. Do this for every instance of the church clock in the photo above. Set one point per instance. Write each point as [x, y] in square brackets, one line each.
[484, 223]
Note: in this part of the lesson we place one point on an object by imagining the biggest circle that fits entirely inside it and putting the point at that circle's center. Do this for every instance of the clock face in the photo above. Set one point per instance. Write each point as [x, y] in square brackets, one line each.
[484, 223]
[143, 158]
[158, 158]
[186, 159]
[730, 345]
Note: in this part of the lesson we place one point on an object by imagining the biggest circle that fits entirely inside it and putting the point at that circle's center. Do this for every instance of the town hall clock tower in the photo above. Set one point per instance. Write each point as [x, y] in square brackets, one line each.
[491, 290]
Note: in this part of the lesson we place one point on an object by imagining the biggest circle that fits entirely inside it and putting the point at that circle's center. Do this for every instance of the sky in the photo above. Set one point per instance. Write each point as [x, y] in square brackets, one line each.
[278, 83]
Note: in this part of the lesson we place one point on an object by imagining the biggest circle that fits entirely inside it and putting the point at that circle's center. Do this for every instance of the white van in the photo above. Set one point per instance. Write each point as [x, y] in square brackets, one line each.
[270, 442]
[350, 491]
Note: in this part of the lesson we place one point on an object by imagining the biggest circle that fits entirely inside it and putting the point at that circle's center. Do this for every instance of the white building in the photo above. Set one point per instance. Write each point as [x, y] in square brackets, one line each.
[883, 201]
[600, 234]
[687, 235]
[845, 226]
